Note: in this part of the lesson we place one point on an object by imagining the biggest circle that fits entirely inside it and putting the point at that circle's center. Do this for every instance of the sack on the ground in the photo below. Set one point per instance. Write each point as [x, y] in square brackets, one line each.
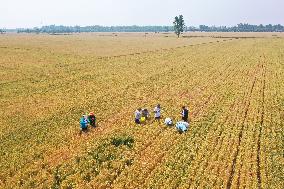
[142, 119]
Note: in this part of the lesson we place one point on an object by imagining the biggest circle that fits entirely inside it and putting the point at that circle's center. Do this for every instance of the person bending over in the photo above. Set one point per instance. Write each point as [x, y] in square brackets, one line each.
[92, 119]
[84, 123]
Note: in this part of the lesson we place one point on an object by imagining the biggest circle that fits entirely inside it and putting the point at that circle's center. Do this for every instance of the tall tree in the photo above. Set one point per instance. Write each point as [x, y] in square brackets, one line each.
[179, 25]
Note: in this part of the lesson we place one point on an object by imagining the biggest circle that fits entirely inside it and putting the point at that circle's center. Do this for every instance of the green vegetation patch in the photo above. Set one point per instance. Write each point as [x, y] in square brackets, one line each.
[123, 140]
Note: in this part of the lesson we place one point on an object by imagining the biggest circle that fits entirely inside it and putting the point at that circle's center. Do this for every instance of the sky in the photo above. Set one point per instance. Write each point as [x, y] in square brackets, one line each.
[36, 13]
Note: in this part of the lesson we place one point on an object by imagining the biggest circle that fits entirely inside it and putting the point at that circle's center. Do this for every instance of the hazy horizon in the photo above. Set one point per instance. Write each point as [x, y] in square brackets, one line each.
[33, 13]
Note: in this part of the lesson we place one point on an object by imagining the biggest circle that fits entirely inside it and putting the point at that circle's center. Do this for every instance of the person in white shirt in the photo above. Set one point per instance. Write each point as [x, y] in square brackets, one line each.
[157, 112]
[137, 116]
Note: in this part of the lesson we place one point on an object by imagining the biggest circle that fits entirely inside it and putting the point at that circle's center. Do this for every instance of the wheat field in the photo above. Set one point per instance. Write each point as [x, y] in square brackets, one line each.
[233, 85]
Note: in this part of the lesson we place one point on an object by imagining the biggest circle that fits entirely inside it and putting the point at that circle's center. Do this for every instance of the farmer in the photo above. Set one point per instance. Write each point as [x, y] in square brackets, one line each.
[84, 123]
[157, 112]
[145, 113]
[168, 122]
[92, 119]
[137, 115]
[184, 114]
[182, 126]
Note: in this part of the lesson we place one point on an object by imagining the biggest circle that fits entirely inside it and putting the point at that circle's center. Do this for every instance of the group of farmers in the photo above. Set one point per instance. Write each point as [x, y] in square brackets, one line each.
[141, 115]
[87, 120]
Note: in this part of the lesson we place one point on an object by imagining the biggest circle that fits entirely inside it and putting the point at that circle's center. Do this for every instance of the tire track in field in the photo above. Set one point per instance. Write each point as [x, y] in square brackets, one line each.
[255, 121]
[254, 134]
[248, 102]
[261, 99]
[261, 125]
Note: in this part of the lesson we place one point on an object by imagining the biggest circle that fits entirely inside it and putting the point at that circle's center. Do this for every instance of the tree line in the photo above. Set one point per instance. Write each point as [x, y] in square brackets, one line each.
[52, 29]
[243, 28]
[96, 28]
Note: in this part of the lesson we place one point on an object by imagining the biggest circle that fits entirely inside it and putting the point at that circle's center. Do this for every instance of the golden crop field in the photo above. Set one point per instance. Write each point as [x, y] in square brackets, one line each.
[233, 86]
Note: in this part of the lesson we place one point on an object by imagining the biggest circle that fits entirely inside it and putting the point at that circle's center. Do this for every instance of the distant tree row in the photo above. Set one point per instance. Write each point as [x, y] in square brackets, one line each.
[203, 28]
[79, 29]
[241, 28]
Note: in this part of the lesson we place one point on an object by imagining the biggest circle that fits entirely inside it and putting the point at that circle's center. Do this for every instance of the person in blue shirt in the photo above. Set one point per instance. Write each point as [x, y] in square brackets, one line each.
[182, 126]
[84, 123]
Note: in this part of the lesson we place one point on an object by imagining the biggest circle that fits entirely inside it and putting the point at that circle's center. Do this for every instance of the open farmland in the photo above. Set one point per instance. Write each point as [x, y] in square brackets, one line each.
[233, 87]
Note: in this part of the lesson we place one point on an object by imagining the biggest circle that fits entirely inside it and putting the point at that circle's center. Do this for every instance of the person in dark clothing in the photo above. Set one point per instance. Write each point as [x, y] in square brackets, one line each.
[145, 113]
[184, 114]
[92, 119]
